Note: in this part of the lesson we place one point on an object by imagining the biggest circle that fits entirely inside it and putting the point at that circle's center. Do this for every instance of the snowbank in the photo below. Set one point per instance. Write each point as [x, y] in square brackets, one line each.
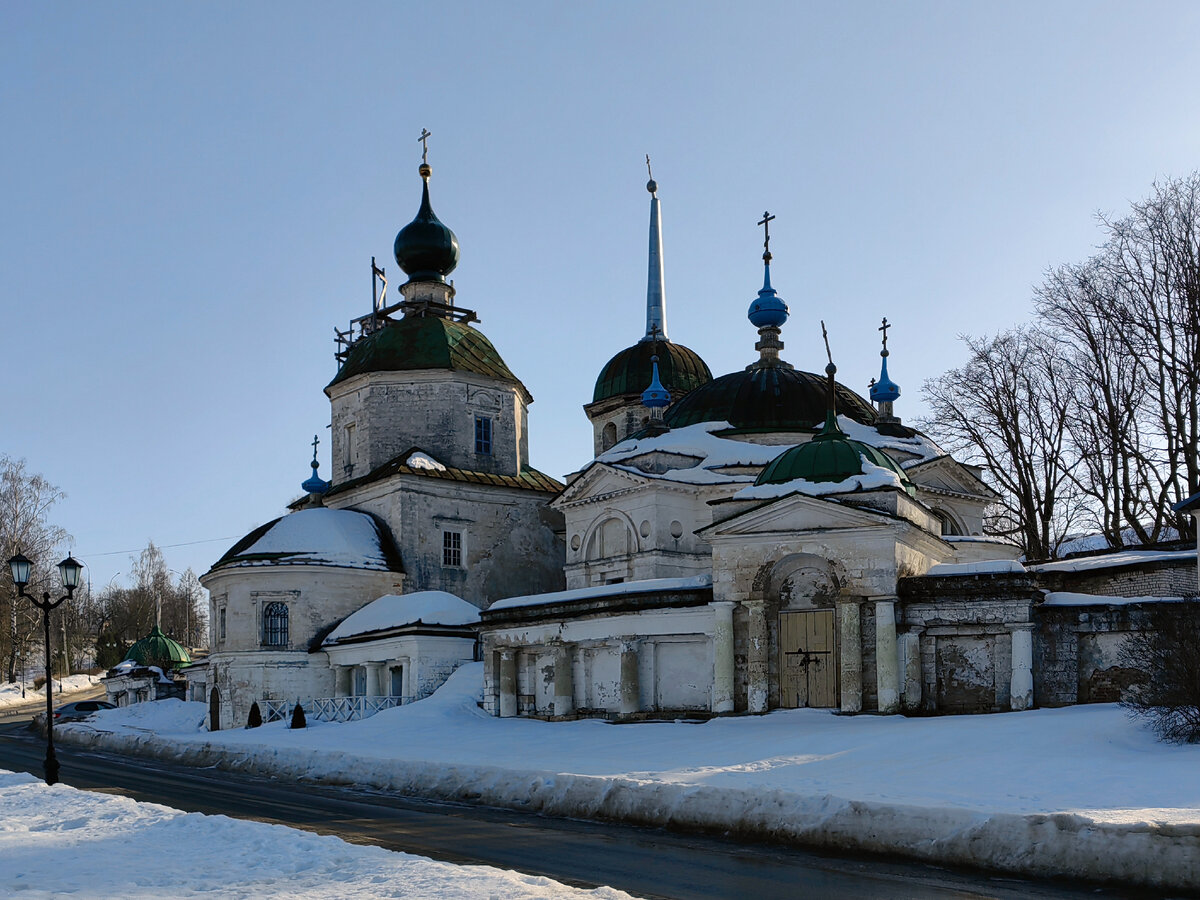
[59, 841]
[1080, 792]
[10, 692]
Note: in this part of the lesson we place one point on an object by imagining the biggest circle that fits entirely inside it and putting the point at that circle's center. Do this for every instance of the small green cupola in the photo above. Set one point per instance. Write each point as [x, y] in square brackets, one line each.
[831, 456]
[156, 649]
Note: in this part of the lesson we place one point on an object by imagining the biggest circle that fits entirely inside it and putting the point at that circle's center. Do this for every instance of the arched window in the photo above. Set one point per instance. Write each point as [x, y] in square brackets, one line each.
[612, 538]
[949, 527]
[275, 624]
[609, 437]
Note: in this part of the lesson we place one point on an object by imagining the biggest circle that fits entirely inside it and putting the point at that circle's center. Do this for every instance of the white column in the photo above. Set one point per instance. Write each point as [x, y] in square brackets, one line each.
[722, 691]
[758, 644]
[564, 681]
[887, 660]
[508, 683]
[630, 700]
[375, 679]
[910, 646]
[1021, 687]
[850, 651]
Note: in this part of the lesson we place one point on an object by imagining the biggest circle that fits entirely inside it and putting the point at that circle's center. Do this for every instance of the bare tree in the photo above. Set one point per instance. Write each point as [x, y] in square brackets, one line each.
[25, 502]
[1007, 409]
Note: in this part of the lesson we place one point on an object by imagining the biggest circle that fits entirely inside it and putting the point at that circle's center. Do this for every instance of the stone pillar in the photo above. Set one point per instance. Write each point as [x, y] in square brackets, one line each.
[564, 681]
[508, 683]
[1021, 687]
[374, 677]
[910, 696]
[887, 659]
[722, 691]
[758, 647]
[343, 681]
[631, 700]
[850, 653]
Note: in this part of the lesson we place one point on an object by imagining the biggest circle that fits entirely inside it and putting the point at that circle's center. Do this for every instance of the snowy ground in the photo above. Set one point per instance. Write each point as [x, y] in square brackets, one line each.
[1081, 791]
[59, 841]
[10, 692]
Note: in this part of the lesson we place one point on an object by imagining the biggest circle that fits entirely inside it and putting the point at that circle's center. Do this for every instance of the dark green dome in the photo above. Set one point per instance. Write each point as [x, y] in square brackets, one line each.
[828, 457]
[424, 342]
[425, 248]
[767, 398]
[156, 649]
[629, 372]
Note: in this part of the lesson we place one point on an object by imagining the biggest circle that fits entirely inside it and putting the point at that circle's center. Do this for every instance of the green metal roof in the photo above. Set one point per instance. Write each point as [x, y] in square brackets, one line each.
[425, 342]
[629, 372]
[768, 398]
[829, 457]
[156, 649]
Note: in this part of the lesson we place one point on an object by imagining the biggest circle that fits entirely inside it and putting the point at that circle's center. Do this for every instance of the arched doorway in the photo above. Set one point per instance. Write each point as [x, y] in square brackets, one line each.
[802, 591]
[214, 710]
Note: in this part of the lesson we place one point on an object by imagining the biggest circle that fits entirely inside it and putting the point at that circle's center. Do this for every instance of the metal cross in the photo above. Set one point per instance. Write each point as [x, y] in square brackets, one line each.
[766, 224]
[825, 334]
[651, 174]
[884, 328]
[424, 139]
[316, 441]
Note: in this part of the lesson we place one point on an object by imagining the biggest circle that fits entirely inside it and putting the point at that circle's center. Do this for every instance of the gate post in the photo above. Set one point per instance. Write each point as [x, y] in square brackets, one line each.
[887, 659]
[850, 650]
[757, 652]
[722, 691]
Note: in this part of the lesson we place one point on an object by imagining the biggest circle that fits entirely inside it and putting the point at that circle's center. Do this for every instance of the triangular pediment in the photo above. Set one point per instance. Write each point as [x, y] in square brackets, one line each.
[947, 474]
[796, 512]
[599, 481]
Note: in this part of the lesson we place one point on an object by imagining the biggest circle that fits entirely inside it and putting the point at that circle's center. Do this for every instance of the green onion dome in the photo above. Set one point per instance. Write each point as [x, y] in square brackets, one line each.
[679, 369]
[767, 398]
[425, 248]
[829, 457]
[156, 649]
[426, 342]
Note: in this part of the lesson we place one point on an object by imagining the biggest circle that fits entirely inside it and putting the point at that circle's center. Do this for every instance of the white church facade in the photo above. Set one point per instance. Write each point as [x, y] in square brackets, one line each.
[767, 538]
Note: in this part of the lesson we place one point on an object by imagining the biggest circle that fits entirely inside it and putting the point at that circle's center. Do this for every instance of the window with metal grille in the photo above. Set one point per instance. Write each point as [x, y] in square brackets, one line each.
[275, 625]
[483, 435]
[452, 548]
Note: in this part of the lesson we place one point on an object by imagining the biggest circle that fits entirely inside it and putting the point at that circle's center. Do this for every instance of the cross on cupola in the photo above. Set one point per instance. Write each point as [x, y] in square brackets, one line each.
[885, 392]
[884, 328]
[766, 224]
[426, 134]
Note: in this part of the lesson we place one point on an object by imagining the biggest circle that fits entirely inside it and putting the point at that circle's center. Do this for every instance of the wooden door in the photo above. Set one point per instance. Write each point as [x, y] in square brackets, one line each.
[807, 659]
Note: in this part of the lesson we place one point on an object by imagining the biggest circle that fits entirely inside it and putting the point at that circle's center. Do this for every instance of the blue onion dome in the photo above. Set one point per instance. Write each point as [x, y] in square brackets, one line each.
[655, 396]
[885, 390]
[680, 370]
[768, 307]
[314, 484]
[425, 248]
[830, 457]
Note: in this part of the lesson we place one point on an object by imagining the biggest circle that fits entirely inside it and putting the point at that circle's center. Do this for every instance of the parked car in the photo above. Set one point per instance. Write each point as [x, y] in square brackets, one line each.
[80, 709]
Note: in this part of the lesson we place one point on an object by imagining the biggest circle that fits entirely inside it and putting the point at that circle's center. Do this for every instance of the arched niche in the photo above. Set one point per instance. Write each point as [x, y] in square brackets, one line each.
[610, 536]
[804, 581]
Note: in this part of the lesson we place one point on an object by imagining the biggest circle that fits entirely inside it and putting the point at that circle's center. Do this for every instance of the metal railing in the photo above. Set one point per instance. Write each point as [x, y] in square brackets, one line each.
[328, 709]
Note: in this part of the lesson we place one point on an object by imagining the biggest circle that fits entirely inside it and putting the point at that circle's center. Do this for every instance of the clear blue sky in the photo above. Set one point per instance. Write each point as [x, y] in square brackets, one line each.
[192, 194]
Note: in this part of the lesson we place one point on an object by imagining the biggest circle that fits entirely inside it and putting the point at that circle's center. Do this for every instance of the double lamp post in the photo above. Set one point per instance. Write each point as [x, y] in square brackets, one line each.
[70, 570]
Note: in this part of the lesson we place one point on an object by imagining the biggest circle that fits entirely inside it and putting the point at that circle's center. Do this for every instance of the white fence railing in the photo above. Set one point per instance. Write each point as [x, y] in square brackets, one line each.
[328, 709]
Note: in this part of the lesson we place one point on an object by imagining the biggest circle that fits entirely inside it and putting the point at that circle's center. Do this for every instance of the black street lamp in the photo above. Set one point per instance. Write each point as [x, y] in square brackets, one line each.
[69, 570]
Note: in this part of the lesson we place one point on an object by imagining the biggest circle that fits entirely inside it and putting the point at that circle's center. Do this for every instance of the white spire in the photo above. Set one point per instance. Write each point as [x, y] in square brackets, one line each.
[656, 305]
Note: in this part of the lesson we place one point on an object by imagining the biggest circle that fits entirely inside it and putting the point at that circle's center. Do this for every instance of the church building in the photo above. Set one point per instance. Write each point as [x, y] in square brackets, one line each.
[764, 539]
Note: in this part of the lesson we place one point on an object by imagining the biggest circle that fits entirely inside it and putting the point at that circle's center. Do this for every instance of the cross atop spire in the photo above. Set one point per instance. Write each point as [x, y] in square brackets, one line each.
[884, 328]
[766, 224]
[426, 134]
[656, 304]
[316, 440]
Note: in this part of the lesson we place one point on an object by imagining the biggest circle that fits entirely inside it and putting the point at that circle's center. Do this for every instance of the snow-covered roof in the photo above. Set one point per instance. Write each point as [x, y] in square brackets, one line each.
[873, 477]
[323, 537]
[1111, 560]
[1068, 598]
[983, 567]
[651, 585]
[398, 610]
[919, 445]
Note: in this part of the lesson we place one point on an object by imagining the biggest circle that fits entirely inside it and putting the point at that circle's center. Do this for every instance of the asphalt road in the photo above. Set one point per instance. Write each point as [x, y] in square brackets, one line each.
[645, 862]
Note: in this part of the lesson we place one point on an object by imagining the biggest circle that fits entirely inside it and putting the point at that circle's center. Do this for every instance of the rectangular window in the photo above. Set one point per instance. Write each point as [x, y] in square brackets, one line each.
[349, 449]
[221, 619]
[452, 548]
[275, 625]
[483, 435]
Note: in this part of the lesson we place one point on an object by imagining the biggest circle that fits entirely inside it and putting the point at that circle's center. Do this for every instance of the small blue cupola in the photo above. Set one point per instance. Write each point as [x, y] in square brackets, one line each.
[767, 310]
[884, 392]
[314, 484]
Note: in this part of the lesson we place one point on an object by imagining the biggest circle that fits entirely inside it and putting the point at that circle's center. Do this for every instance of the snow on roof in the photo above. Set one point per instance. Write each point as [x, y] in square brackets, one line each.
[398, 610]
[976, 538]
[697, 441]
[330, 537]
[651, 585]
[1067, 598]
[421, 460]
[919, 445]
[984, 567]
[872, 478]
[1110, 560]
